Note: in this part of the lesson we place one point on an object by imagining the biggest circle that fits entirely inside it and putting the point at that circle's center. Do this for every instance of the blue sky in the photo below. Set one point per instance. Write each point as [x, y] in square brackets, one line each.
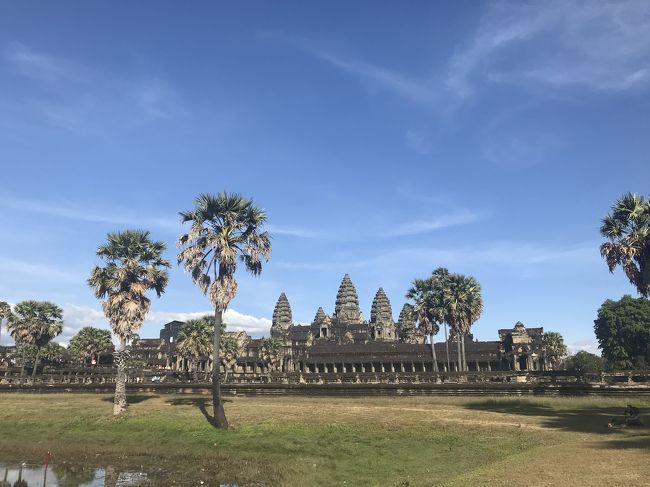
[383, 140]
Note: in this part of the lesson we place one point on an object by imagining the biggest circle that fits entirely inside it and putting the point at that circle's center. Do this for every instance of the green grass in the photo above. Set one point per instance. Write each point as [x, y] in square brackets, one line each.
[332, 441]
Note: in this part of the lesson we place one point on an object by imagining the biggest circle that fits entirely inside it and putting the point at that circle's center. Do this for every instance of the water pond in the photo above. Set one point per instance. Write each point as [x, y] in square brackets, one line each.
[68, 475]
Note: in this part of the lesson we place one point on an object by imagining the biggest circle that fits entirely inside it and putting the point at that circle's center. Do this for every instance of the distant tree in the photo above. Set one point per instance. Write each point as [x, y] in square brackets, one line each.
[463, 306]
[195, 341]
[34, 323]
[627, 229]
[425, 309]
[272, 353]
[134, 265]
[229, 353]
[224, 227]
[54, 354]
[583, 363]
[88, 343]
[623, 332]
[428, 307]
[556, 350]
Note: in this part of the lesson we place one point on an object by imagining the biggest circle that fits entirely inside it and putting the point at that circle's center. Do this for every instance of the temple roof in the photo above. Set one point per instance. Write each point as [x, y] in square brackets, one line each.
[321, 317]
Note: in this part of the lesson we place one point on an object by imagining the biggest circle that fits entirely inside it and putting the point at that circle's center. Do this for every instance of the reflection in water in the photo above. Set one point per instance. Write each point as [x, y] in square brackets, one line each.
[70, 475]
[66, 475]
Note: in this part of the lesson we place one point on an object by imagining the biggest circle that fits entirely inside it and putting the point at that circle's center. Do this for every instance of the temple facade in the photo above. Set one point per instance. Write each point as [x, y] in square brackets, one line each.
[346, 343]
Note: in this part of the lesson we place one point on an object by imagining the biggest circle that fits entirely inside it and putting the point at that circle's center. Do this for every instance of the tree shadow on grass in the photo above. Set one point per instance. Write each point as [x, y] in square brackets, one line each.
[202, 403]
[580, 419]
[132, 399]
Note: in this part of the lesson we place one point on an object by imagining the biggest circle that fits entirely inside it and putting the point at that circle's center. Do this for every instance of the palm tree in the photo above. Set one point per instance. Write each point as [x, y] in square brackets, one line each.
[134, 265]
[556, 350]
[34, 323]
[271, 352]
[463, 306]
[423, 294]
[228, 353]
[195, 341]
[438, 284]
[627, 228]
[53, 353]
[428, 295]
[89, 342]
[224, 227]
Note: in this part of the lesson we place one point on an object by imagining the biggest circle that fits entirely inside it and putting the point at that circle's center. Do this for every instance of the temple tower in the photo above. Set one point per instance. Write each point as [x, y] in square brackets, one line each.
[406, 329]
[382, 326]
[281, 317]
[323, 323]
[346, 310]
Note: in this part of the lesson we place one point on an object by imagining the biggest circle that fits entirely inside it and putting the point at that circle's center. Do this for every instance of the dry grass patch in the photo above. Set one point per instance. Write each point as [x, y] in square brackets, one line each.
[334, 441]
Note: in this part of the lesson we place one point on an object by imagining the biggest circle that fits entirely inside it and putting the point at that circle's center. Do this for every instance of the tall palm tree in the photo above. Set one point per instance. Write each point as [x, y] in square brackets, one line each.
[223, 227]
[423, 295]
[195, 341]
[51, 326]
[438, 285]
[89, 342]
[34, 323]
[627, 228]
[133, 265]
[463, 306]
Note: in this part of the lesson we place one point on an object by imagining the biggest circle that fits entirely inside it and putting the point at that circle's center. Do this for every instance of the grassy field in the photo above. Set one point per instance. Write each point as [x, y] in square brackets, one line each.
[300, 441]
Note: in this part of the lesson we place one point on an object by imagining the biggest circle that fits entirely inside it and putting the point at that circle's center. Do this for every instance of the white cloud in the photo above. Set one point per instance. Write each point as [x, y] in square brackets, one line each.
[503, 254]
[75, 211]
[34, 64]
[456, 218]
[419, 141]
[292, 231]
[412, 88]
[76, 317]
[84, 99]
[590, 346]
[13, 267]
[599, 45]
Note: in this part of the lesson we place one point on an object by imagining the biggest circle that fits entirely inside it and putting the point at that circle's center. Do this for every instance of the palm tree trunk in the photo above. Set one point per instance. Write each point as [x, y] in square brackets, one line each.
[433, 354]
[462, 347]
[219, 414]
[447, 349]
[459, 364]
[119, 403]
[38, 355]
[22, 367]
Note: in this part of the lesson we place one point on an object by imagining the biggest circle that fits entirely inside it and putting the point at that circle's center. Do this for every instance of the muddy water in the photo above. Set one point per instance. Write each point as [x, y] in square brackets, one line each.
[65, 475]
[69, 475]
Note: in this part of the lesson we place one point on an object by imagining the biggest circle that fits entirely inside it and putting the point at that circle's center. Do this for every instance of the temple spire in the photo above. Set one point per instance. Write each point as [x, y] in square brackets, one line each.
[381, 318]
[282, 318]
[381, 311]
[346, 310]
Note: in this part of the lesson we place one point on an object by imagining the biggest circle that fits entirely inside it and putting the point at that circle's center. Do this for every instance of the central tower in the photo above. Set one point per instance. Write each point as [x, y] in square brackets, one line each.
[346, 309]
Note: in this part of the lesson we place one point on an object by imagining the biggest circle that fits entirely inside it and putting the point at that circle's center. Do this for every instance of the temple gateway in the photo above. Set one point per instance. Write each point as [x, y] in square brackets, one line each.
[346, 343]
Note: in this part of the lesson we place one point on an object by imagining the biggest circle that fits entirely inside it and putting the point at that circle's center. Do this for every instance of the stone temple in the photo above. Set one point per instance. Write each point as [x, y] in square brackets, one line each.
[346, 343]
